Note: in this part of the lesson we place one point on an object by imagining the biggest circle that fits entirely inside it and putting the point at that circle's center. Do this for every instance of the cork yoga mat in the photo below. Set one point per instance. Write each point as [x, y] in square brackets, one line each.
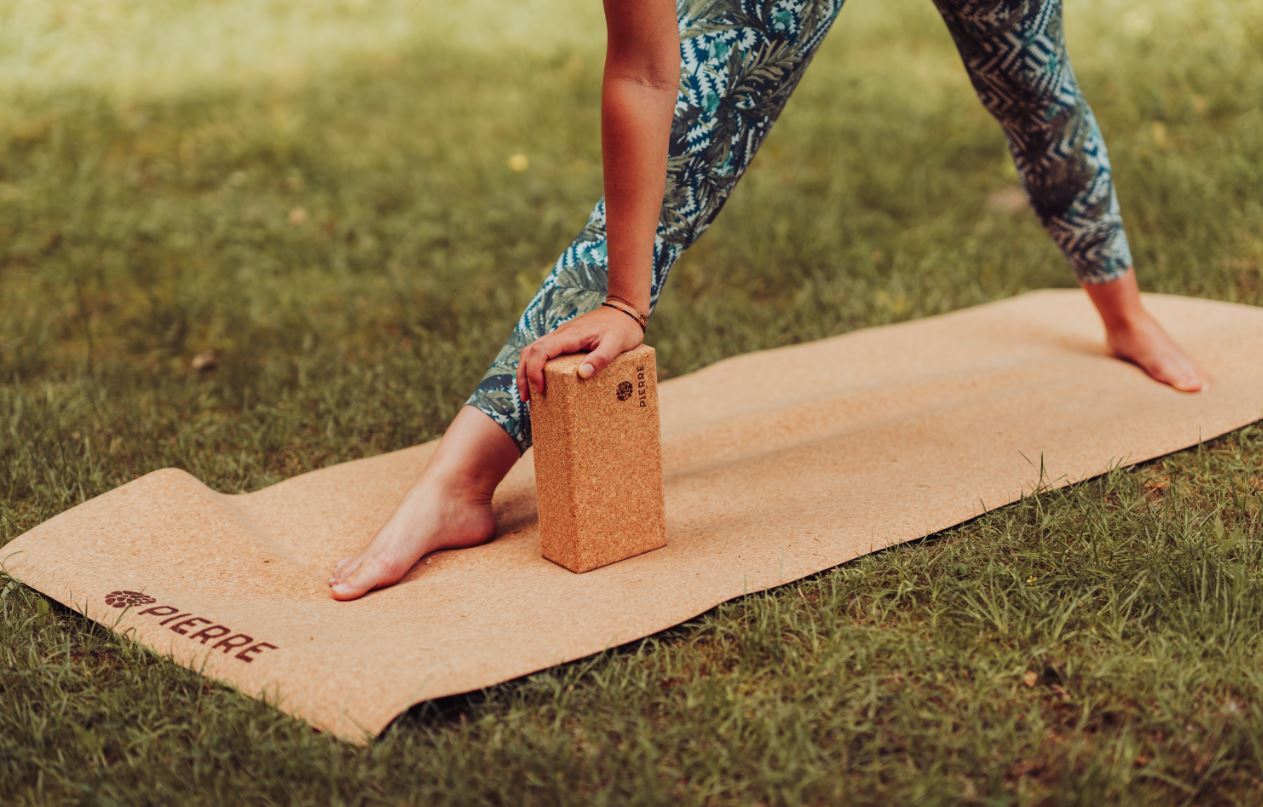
[778, 464]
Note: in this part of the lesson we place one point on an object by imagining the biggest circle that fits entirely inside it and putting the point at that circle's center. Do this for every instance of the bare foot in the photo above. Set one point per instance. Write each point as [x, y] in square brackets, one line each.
[1142, 341]
[434, 515]
[1134, 335]
[449, 506]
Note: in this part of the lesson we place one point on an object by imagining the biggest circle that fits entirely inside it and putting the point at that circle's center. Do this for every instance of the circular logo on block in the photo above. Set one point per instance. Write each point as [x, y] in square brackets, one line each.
[624, 390]
[124, 599]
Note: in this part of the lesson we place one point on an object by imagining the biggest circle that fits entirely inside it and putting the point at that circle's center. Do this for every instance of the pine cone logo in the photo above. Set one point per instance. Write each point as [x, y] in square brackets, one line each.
[624, 390]
[127, 599]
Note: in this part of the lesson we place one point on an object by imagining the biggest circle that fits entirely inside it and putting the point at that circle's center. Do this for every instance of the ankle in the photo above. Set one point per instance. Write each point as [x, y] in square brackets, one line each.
[1126, 320]
[1118, 302]
[463, 484]
[473, 456]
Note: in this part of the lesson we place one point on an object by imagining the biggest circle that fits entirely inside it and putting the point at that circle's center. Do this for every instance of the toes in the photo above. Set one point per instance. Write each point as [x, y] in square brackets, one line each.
[1182, 382]
[1173, 376]
[350, 568]
[336, 574]
[1188, 384]
[337, 570]
[346, 570]
[361, 578]
[1177, 372]
[1183, 376]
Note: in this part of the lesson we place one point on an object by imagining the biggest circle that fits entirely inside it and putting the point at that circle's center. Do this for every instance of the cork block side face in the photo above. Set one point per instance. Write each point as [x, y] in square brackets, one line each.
[599, 473]
[554, 466]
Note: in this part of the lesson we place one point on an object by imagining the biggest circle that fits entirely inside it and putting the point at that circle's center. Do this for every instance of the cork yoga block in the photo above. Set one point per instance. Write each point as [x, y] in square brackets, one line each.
[598, 461]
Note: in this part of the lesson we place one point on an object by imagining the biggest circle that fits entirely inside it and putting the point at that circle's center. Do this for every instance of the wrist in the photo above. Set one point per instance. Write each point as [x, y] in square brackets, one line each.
[640, 319]
[638, 303]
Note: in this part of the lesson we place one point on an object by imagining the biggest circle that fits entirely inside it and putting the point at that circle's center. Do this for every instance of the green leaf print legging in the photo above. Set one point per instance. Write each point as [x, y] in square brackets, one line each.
[741, 59]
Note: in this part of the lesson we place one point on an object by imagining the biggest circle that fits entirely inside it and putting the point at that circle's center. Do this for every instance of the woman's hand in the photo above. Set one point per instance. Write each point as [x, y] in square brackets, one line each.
[604, 332]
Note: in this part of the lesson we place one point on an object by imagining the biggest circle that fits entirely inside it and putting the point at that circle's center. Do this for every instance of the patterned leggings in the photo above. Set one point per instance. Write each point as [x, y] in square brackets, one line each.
[741, 59]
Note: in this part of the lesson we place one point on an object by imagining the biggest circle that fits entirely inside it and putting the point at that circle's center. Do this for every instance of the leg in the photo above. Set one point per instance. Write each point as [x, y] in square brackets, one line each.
[741, 60]
[1015, 54]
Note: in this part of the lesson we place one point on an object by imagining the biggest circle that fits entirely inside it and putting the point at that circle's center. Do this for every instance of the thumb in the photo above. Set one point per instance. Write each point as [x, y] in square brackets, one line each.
[602, 355]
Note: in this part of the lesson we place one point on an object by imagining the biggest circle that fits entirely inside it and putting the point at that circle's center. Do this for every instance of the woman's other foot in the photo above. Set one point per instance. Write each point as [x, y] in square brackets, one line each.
[1134, 335]
[1142, 341]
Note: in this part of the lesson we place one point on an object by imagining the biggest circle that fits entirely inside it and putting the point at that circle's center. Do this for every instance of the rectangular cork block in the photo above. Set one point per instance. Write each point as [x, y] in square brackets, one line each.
[598, 461]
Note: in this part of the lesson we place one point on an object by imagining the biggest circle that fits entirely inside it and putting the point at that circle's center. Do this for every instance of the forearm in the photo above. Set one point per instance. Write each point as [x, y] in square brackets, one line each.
[638, 93]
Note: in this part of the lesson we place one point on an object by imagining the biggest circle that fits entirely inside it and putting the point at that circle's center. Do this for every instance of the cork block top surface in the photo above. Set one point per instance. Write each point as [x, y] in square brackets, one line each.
[777, 464]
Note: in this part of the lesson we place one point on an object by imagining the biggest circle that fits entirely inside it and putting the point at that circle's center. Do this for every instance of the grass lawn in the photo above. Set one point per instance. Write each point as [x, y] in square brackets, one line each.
[320, 196]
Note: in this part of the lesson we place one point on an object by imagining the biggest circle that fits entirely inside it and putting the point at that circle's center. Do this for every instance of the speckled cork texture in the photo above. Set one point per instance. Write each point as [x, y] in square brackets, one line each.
[777, 464]
[598, 461]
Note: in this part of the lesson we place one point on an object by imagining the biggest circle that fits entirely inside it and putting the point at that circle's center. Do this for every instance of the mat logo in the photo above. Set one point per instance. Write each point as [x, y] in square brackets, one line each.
[624, 390]
[241, 646]
[125, 599]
